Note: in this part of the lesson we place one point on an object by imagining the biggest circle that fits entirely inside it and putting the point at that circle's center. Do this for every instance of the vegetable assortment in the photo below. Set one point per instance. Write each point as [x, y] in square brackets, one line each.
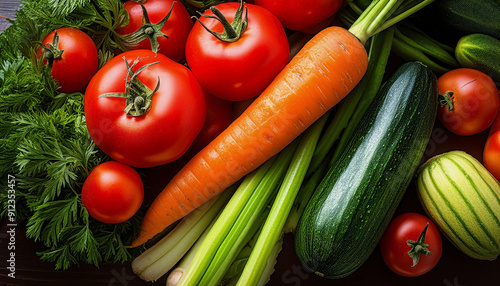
[256, 135]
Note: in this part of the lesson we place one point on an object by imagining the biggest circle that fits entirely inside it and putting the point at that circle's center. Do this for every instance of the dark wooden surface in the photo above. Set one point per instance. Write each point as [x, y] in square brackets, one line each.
[454, 268]
[7, 10]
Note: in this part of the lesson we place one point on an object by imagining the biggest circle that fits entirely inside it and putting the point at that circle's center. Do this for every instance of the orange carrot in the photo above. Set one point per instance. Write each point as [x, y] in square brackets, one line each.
[327, 68]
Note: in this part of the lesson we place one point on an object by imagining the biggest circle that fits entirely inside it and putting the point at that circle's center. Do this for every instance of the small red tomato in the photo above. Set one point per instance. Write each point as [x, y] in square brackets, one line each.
[73, 58]
[164, 26]
[113, 192]
[469, 101]
[411, 245]
[491, 154]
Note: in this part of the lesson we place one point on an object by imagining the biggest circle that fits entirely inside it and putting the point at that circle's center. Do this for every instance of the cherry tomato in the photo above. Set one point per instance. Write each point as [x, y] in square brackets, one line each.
[301, 15]
[243, 68]
[72, 55]
[469, 101]
[113, 192]
[148, 128]
[406, 230]
[176, 27]
[491, 154]
[219, 116]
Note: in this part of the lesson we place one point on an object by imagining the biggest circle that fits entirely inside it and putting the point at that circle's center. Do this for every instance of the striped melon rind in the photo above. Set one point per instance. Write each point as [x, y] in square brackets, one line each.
[463, 199]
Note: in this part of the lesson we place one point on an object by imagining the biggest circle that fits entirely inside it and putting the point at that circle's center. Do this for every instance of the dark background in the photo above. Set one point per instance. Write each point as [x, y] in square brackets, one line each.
[454, 268]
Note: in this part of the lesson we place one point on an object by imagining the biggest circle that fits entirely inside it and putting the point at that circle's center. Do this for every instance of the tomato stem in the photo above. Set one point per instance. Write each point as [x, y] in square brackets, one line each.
[138, 96]
[52, 51]
[447, 99]
[232, 31]
[418, 247]
[149, 30]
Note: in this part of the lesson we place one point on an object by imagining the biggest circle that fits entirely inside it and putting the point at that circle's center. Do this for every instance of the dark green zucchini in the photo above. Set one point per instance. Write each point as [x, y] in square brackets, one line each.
[352, 206]
[449, 20]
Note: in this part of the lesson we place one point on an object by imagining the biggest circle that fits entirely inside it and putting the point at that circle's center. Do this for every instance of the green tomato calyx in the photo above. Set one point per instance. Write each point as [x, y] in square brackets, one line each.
[232, 31]
[418, 247]
[149, 30]
[447, 99]
[138, 96]
[51, 51]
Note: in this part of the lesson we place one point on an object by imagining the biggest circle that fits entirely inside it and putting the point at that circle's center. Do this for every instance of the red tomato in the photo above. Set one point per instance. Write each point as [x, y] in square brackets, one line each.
[166, 129]
[491, 154]
[176, 27]
[219, 116]
[74, 57]
[473, 101]
[299, 14]
[113, 192]
[243, 68]
[406, 229]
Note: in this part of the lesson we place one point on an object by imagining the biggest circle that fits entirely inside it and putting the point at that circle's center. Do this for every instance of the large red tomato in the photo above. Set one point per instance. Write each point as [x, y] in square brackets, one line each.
[170, 35]
[154, 130]
[491, 154]
[299, 14]
[405, 239]
[242, 68]
[469, 101]
[73, 58]
[113, 192]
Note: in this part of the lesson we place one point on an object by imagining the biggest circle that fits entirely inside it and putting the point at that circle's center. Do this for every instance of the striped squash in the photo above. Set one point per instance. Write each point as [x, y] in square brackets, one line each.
[463, 199]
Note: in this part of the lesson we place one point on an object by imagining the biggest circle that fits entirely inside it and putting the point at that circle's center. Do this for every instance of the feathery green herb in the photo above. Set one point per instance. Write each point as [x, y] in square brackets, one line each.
[44, 139]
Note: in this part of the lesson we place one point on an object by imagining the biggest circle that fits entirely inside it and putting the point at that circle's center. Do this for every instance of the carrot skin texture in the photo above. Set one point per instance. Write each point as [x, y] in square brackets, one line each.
[328, 67]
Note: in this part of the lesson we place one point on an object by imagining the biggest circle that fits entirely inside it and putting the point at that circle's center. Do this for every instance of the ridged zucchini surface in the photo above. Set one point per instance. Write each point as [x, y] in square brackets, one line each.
[463, 199]
[348, 212]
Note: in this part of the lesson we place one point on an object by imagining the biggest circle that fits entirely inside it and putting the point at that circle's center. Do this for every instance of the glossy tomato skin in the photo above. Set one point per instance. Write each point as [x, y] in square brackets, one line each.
[394, 247]
[161, 135]
[219, 117]
[301, 15]
[491, 154]
[176, 28]
[242, 69]
[78, 62]
[113, 192]
[475, 101]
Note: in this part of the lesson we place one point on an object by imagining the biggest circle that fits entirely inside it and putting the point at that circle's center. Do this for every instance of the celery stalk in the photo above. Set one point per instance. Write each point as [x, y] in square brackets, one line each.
[273, 227]
[161, 257]
[181, 269]
[250, 215]
[223, 225]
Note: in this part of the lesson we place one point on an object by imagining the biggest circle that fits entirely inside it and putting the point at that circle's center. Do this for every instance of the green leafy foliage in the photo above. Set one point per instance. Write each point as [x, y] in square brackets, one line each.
[44, 139]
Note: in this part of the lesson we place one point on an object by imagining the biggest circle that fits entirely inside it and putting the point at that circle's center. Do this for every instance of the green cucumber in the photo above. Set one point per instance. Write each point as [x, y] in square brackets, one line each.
[348, 212]
[481, 52]
[463, 199]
